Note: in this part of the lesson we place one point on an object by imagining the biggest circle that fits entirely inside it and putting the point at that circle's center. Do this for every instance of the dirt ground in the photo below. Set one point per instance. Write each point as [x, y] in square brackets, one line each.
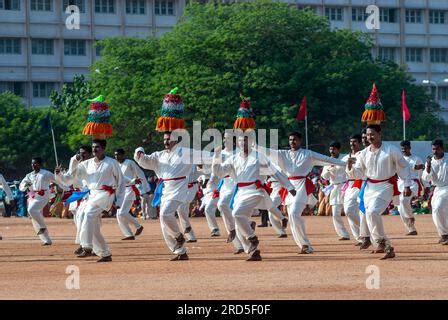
[141, 270]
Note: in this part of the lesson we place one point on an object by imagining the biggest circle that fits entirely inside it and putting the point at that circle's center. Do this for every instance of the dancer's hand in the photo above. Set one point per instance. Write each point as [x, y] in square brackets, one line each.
[407, 192]
[428, 164]
[58, 169]
[350, 163]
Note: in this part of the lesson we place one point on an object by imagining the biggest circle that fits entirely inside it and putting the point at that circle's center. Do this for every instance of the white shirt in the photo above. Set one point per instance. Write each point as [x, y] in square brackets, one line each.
[336, 174]
[247, 169]
[168, 164]
[38, 181]
[300, 163]
[6, 188]
[438, 175]
[131, 171]
[96, 174]
[382, 164]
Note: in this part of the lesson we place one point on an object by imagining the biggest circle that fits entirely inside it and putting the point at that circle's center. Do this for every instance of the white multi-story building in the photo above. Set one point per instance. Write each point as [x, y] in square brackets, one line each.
[38, 53]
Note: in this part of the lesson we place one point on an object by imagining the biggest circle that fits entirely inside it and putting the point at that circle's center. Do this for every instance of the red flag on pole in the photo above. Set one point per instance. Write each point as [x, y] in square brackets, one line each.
[404, 107]
[301, 114]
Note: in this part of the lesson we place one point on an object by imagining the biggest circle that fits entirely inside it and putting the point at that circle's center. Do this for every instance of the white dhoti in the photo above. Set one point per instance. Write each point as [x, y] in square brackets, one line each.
[35, 209]
[275, 215]
[124, 217]
[439, 204]
[184, 211]
[242, 212]
[226, 214]
[405, 208]
[351, 209]
[337, 204]
[170, 228]
[91, 237]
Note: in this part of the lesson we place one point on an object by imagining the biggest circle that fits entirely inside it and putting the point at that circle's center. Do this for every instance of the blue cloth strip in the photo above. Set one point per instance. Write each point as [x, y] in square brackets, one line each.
[235, 190]
[158, 194]
[220, 183]
[76, 195]
[361, 205]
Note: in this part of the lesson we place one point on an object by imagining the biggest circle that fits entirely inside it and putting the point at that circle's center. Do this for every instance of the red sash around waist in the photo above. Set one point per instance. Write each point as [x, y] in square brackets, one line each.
[392, 180]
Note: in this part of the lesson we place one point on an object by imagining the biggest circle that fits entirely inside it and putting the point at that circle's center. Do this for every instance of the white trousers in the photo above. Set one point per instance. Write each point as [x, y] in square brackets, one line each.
[35, 209]
[297, 224]
[440, 214]
[352, 212]
[168, 222]
[375, 221]
[338, 223]
[210, 214]
[229, 220]
[125, 219]
[242, 212]
[91, 237]
[78, 217]
[184, 211]
[275, 215]
[406, 214]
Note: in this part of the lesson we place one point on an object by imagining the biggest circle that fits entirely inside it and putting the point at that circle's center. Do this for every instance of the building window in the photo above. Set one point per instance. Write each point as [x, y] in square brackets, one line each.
[74, 47]
[439, 54]
[334, 14]
[41, 5]
[436, 16]
[105, 6]
[443, 93]
[388, 15]
[18, 88]
[164, 8]
[10, 5]
[386, 54]
[413, 16]
[98, 50]
[10, 46]
[414, 55]
[42, 89]
[79, 3]
[359, 14]
[135, 7]
[42, 46]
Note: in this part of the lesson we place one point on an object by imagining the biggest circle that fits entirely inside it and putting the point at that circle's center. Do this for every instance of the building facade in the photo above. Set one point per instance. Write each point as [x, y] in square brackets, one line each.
[38, 53]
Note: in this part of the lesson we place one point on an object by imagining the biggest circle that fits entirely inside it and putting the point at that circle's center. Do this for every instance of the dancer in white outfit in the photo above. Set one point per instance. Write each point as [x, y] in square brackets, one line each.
[436, 172]
[249, 193]
[337, 177]
[416, 166]
[38, 185]
[351, 189]
[105, 184]
[184, 208]
[7, 189]
[297, 164]
[132, 175]
[380, 163]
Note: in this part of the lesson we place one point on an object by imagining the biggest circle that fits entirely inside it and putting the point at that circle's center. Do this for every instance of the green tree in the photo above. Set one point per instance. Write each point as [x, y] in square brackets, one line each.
[22, 137]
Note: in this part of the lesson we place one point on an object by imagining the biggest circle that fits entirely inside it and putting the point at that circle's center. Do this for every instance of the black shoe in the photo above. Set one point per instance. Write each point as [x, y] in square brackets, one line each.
[306, 250]
[85, 253]
[129, 238]
[105, 259]
[192, 240]
[46, 244]
[183, 256]
[41, 231]
[255, 256]
[411, 233]
[344, 239]
[139, 231]
[180, 241]
[1, 238]
[283, 236]
[187, 230]
[284, 223]
[253, 243]
[215, 233]
[253, 224]
[390, 253]
[366, 243]
[263, 225]
[78, 251]
[231, 237]
[238, 251]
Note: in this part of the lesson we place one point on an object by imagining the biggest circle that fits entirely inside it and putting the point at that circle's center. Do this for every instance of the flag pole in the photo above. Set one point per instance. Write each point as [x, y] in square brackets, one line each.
[306, 131]
[54, 143]
[404, 127]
